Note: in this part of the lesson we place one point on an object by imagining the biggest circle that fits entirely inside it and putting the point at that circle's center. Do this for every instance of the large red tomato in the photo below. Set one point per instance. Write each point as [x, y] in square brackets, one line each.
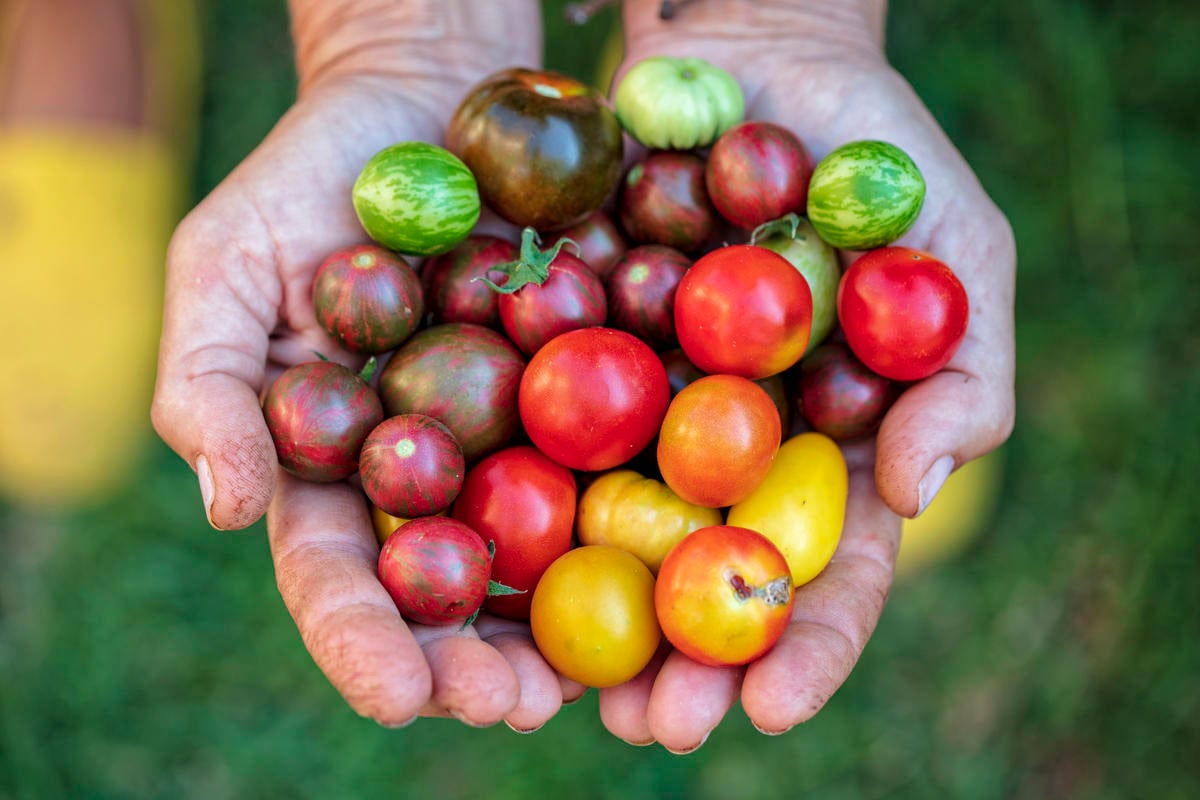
[524, 503]
[743, 310]
[903, 311]
[593, 398]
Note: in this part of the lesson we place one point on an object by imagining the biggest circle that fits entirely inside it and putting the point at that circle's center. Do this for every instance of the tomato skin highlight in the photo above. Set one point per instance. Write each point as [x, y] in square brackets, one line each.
[723, 595]
[903, 311]
[718, 440]
[593, 616]
[593, 398]
[525, 504]
[743, 310]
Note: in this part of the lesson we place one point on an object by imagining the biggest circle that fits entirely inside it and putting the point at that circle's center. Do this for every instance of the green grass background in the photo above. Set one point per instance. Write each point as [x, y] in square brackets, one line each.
[143, 655]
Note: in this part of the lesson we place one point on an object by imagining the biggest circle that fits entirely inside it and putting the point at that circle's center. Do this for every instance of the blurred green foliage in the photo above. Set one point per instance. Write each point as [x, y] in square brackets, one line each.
[142, 655]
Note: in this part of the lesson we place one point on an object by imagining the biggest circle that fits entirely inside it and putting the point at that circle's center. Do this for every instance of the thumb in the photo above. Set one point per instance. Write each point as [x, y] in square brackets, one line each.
[212, 357]
[935, 427]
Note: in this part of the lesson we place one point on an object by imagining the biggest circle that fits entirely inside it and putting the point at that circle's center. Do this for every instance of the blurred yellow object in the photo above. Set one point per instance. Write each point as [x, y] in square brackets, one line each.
[385, 524]
[955, 517]
[86, 212]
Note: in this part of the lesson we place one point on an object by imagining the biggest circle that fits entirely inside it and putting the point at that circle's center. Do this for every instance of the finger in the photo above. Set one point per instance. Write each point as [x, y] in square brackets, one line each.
[325, 565]
[833, 617]
[624, 708]
[688, 701]
[210, 369]
[540, 693]
[472, 680]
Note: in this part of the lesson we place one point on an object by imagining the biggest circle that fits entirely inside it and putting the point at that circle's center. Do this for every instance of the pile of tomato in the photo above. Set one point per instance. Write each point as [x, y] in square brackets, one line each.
[625, 425]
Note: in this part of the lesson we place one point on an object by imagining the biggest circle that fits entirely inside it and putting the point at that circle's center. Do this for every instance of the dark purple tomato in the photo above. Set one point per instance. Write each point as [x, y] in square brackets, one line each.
[600, 241]
[548, 292]
[411, 466]
[839, 396]
[756, 172]
[664, 201]
[545, 148]
[367, 298]
[452, 293]
[641, 293]
[319, 413]
[467, 376]
[436, 569]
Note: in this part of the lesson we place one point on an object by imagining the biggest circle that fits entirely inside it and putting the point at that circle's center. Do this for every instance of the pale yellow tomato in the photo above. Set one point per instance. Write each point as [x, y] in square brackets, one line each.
[801, 504]
[593, 616]
[639, 514]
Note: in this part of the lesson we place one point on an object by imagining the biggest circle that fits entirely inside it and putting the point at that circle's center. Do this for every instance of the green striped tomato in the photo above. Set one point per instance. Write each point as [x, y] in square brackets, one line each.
[865, 194]
[416, 198]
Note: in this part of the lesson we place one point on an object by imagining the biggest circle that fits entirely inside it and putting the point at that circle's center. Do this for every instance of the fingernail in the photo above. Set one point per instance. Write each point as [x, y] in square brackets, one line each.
[515, 729]
[931, 484]
[458, 715]
[766, 732]
[397, 725]
[204, 473]
[684, 751]
[643, 743]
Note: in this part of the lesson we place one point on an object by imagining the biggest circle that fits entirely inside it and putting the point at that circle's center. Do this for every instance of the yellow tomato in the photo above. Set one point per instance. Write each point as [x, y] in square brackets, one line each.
[385, 524]
[593, 615]
[801, 504]
[642, 515]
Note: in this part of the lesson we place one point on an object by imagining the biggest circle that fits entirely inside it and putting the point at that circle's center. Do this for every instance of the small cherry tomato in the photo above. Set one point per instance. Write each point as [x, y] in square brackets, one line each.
[903, 311]
[411, 466]
[756, 172]
[593, 615]
[723, 595]
[436, 570]
[718, 439]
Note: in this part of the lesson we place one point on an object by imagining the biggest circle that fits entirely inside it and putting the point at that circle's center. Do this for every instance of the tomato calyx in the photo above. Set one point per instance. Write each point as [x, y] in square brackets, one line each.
[366, 373]
[494, 588]
[532, 264]
[775, 592]
[787, 226]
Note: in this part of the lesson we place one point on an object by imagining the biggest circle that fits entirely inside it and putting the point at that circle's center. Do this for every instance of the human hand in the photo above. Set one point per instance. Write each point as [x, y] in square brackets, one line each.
[238, 311]
[818, 68]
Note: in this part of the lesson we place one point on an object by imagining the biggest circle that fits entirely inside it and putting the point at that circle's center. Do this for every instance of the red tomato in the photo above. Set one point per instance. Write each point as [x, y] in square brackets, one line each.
[724, 595]
[903, 311]
[718, 440]
[593, 398]
[743, 310]
[524, 503]
[436, 570]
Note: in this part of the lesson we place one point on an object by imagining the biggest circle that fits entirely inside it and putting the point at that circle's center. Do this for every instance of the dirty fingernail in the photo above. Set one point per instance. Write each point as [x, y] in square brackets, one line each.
[931, 484]
[204, 473]
[522, 730]
[685, 750]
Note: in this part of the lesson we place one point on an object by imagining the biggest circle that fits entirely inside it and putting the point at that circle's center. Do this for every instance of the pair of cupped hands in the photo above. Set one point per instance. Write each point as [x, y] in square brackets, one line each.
[238, 311]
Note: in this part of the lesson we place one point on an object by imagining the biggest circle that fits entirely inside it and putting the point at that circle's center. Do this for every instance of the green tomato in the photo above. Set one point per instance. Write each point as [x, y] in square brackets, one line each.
[794, 238]
[864, 195]
[678, 103]
[416, 198]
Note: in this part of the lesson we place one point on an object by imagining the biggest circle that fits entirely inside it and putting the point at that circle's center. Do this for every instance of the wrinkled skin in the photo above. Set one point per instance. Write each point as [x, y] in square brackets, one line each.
[245, 257]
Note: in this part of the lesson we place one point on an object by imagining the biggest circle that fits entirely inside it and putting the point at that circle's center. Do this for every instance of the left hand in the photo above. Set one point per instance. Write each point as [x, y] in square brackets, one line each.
[818, 68]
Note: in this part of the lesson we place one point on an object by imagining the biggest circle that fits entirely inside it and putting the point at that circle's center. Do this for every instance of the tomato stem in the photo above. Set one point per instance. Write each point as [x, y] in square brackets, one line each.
[368, 370]
[786, 226]
[532, 264]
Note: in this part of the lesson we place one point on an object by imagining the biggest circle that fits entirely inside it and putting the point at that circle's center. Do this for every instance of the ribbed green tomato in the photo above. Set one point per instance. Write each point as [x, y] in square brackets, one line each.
[678, 103]
[865, 194]
[416, 198]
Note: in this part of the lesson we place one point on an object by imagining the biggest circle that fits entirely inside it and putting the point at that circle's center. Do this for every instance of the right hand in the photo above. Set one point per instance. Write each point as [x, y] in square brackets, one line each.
[238, 311]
